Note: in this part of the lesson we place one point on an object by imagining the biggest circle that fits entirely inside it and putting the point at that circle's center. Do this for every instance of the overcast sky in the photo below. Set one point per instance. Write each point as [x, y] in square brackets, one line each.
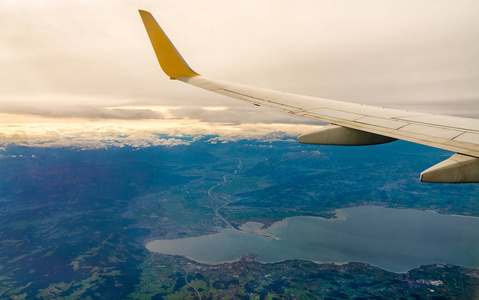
[91, 61]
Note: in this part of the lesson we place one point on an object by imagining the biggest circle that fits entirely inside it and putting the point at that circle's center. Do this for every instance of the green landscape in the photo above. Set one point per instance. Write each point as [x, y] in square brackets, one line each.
[74, 222]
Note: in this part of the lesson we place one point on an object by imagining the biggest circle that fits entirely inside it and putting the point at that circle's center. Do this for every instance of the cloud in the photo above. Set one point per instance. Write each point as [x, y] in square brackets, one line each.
[239, 115]
[84, 136]
[459, 107]
[85, 108]
[139, 135]
[274, 136]
[86, 112]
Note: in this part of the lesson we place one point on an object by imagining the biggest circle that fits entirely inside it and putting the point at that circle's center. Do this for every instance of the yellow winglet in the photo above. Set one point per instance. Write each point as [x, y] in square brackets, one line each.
[169, 58]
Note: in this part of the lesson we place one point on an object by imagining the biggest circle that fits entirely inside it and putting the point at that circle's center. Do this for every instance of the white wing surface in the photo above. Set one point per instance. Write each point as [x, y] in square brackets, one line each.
[351, 123]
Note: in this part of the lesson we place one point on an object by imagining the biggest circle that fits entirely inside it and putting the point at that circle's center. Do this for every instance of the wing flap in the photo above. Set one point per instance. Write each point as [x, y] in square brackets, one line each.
[456, 169]
[445, 121]
[468, 137]
[336, 114]
[432, 131]
[382, 122]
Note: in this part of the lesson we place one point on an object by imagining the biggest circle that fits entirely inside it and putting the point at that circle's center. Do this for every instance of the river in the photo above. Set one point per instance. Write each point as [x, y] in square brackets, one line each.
[392, 239]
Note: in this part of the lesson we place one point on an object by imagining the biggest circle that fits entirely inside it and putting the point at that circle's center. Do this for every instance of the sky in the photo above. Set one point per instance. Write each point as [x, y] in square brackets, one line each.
[70, 68]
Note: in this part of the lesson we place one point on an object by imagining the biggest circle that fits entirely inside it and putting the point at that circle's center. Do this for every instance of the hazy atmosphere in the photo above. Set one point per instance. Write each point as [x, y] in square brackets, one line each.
[80, 62]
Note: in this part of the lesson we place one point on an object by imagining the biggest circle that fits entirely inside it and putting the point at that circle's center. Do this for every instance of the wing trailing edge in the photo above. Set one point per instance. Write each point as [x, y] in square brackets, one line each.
[354, 124]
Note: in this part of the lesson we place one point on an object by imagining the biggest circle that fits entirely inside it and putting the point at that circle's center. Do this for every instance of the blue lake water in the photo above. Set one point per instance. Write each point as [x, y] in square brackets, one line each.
[393, 239]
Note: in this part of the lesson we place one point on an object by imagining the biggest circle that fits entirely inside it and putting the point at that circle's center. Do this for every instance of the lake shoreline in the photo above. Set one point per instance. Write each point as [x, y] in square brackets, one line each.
[392, 239]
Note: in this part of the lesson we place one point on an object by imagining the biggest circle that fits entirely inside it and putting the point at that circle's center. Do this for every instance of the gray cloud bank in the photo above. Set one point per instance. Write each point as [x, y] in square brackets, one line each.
[240, 115]
[227, 115]
[85, 112]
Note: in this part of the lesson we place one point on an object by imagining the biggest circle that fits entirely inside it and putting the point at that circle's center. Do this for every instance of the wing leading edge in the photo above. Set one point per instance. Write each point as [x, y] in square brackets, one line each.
[351, 123]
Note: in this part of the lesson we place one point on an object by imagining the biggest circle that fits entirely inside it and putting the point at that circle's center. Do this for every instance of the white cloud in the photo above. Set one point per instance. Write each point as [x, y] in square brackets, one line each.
[266, 137]
[139, 135]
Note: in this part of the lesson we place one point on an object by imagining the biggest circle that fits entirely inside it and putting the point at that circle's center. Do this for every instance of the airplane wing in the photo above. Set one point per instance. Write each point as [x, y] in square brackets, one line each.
[350, 123]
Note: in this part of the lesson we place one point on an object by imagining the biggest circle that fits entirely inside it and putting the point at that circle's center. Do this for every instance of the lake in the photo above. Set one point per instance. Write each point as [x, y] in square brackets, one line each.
[392, 239]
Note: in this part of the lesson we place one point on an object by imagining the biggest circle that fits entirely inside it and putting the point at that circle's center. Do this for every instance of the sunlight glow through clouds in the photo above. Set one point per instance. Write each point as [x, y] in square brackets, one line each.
[145, 134]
